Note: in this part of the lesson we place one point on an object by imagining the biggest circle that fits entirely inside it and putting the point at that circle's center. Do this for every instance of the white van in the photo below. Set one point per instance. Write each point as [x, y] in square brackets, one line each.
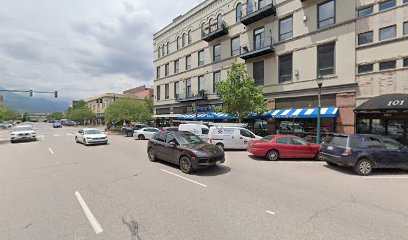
[231, 137]
[198, 129]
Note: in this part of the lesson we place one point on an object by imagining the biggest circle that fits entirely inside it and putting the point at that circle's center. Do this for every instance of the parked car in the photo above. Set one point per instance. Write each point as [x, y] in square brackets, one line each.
[185, 149]
[57, 125]
[198, 129]
[23, 133]
[169, 129]
[128, 131]
[70, 123]
[364, 152]
[274, 147]
[145, 133]
[231, 137]
[287, 127]
[3, 126]
[89, 136]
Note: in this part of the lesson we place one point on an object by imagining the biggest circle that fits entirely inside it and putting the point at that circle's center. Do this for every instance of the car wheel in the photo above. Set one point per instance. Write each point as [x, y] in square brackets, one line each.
[220, 145]
[319, 157]
[11, 141]
[85, 143]
[363, 167]
[141, 137]
[185, 165]
[129, 134]
[76, 139]
[330, 163]
[152, 155]
[272, 155]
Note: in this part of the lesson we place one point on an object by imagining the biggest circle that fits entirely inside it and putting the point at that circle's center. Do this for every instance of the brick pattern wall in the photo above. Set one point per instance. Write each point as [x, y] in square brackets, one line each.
[346, 103]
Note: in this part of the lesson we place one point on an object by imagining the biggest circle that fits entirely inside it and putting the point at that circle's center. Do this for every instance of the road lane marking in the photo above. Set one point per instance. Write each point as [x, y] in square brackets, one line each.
[92, 220]
[203, 185]
[50, 149]
[387, 177]
[70, 134]
[270, 212]
[57, 135]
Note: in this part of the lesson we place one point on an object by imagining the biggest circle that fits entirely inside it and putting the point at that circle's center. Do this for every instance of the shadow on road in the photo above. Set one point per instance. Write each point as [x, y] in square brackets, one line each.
[375, 172]
[204, 172]
[256, 158]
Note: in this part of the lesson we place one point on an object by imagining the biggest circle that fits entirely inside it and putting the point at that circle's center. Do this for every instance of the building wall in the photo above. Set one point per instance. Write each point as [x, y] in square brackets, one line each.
[140, 91]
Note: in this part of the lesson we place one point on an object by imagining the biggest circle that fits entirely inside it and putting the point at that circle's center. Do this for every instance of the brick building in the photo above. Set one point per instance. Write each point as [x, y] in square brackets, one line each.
[140, 91]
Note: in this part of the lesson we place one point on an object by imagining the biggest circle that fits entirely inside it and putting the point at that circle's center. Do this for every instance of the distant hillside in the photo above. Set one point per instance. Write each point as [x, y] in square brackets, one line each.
[25, 103]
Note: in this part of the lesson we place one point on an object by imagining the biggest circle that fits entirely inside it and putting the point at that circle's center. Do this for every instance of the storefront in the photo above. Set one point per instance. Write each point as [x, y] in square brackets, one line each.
[385, 115]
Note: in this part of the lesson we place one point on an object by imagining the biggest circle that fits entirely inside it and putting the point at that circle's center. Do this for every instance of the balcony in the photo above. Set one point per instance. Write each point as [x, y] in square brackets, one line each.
[214, 31]
[191, 96]
[254, 14]
[257, 48]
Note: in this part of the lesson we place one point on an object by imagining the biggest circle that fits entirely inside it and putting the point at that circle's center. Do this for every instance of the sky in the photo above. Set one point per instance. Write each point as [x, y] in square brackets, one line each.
[81, 48]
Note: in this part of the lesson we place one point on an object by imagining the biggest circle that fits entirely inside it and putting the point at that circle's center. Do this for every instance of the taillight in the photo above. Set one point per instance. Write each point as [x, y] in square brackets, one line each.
[210, 140]
[347, 152]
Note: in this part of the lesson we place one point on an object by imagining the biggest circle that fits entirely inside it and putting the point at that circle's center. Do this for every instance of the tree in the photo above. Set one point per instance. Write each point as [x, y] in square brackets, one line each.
[239, 93]
[55, 116]
[2, 111]
[80, 115]
[129, 110]
[7, 114]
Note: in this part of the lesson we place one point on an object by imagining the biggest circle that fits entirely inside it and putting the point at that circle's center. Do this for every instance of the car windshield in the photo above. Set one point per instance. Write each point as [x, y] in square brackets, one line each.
[267, 138]
[185, 139]
[23, 129]
[92, 131]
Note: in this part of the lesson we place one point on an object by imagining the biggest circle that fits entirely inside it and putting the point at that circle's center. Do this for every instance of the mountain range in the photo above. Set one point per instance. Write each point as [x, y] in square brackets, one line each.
[25, 103]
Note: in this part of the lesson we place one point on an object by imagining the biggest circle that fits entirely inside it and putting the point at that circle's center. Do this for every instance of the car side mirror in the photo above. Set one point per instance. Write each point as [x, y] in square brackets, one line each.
[172, 144]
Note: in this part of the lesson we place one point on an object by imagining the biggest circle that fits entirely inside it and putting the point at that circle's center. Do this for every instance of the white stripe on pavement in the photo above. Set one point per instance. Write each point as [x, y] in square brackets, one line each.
[70, 134]
[203, 185]
[270, 212]
[50, 149]
[95, 224]
[57, 135]
[387, 177]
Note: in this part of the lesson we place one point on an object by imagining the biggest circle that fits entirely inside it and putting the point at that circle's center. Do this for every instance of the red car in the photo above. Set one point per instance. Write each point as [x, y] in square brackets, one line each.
[274, 147]
[169, 129]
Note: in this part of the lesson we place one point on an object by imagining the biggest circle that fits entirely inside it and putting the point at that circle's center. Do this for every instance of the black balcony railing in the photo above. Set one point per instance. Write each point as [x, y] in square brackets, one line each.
[191, 96]
[257, 48]
[255, 13]
[214, 31]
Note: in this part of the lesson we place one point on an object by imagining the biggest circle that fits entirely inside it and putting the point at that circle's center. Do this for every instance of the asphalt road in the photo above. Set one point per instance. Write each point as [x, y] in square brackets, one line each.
[56, 189]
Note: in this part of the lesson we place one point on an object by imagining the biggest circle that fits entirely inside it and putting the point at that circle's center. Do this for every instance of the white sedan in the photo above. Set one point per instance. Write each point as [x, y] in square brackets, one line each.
[23, 133]
[89, 136]
[145, 133]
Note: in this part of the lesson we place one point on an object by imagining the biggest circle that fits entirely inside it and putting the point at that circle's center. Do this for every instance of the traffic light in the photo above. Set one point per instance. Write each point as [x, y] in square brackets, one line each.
[56, 94]
[31, 93]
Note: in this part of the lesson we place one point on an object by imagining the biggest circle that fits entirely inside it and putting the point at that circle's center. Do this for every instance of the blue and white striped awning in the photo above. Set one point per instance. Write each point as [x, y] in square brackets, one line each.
[205, 116]
[303, 113]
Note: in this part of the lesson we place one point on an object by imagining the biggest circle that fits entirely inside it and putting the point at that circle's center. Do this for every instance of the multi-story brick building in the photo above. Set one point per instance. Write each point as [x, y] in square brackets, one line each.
[141, 91]
[285, 45]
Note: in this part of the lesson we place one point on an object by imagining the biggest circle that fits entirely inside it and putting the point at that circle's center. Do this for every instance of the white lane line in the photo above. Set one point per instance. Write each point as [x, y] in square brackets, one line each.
[270, 212]
[70, 134]
[203, 185]
[387, 177]
[2, 139]
[94, 223]
[57, 135]
[51, 151]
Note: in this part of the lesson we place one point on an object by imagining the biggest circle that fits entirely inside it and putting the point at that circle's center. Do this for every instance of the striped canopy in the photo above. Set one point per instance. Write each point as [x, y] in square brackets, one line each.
[205, 116]
[303, 113]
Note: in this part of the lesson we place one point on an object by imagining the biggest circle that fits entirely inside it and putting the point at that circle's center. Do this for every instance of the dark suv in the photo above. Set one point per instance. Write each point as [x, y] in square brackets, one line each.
[185, 149]
[364, 152]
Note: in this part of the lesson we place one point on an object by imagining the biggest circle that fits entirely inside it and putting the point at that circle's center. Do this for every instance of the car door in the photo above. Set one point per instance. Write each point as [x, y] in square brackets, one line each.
[300, 148]
[397, 154]
[158, 142]
[80, 135]
[377, 151]
[283, 145]
[171, 151]
[245, 138]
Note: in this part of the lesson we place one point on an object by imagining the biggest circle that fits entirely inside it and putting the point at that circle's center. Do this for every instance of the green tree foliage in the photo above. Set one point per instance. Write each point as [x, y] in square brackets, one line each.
[8, 114]
[2, 111]
[55, 116]
[80, 115]
[129, 110]
[239, 93]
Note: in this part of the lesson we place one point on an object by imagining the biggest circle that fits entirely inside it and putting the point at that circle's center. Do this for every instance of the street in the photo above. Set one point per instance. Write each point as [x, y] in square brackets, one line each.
[56, 189]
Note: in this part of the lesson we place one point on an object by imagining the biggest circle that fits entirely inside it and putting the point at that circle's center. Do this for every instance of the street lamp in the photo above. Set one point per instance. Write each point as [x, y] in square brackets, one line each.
[319, 81]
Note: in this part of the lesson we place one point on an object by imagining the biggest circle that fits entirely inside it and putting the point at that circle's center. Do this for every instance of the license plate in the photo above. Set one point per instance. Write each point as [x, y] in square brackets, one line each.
[330, 148]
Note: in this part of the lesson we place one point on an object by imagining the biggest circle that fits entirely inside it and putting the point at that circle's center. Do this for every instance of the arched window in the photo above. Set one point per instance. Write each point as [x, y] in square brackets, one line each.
[159, 52]
[167, 48]
[178, 43]
[238, 12]
[163, 51]
[219, 20]
[250, 6]
[203, 29]
[190, 40]
[261, 4]
[213, 24]
[184, 40]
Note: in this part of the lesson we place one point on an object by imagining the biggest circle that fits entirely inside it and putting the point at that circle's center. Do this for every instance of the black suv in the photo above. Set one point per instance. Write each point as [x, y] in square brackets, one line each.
[185, 149]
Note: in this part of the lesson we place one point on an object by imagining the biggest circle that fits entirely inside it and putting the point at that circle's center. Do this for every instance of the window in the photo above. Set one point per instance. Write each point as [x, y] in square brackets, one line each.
[166, 70]
[238, 12]
[391, 144]
[177, 66]
[183, 40]
[406, 27]
[386, 5]
[250, 6]
[217, 52]
[387, 65]
[167, 48]
[298, 141]
[170, 138]
[405, 1]
[160, 136]
[365, 11]
[325, 58]
[405, 62]
[283, 140]
[387, 33]
[246, 133]
[166, 91]
[365, 38]
[190, 39]
[201, 58]
[177, 90]
[258, 73]
[259, 38]
[219, 21]
[188, 62]
[158, 72]
[285, 28]
[261, 4]
[365, 68]
[159, 52]
[188, 88]
[235, 46]
[285, 68]
[212, 24]
[162, 51]
[201, 83]
[178, 43]
[216, 79]
[158, 92]
[326, 14]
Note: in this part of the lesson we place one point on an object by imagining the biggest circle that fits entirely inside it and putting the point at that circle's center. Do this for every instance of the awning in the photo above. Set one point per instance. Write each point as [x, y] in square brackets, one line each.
[303, 113]
[205, 116]
[166, 116]
[388, 102]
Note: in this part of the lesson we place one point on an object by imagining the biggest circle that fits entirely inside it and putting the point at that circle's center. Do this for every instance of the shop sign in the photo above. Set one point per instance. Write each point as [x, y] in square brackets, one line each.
[206, 108]
[395, 103]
